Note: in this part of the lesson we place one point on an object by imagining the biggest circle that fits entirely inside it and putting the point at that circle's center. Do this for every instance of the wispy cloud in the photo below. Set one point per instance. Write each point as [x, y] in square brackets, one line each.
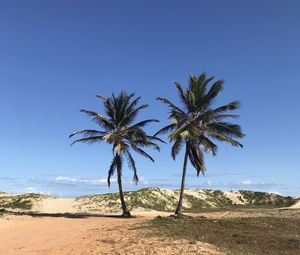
[30, 189]
[219, 175]
[66, 180]
[75, 186]
[72, 180]
[244, 184]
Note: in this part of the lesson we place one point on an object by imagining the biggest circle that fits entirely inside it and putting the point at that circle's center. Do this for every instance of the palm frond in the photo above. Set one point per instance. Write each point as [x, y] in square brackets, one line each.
[181, 93]
[170, 104]
[131, 165]
[145, 143]
[155, 138]
[214, 90]
[99, 119]
[176, 147]
[87, 133]
[179, 131]
[130, 116]
[228, 107]
[101, 97]
[196, 158]
[219, 117]
[111, 170]
[198, 85]
[89, 113]
[213, 116]
[133, 104]
[224, 138]
[109, 109]
[141, 152]
[89, 140]
[208, 145]
[133, 134]
[228, 129]
[165, 129]
[143, 123]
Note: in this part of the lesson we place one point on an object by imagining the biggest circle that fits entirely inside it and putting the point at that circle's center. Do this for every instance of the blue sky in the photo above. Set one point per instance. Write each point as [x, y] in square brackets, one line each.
[56, 55]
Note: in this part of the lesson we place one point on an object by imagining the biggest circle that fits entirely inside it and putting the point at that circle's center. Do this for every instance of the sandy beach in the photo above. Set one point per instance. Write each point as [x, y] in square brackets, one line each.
[91, 235]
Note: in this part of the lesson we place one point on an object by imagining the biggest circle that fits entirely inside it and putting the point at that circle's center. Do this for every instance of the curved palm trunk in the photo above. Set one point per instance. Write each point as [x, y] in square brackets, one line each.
[126, 212]
[179, 206]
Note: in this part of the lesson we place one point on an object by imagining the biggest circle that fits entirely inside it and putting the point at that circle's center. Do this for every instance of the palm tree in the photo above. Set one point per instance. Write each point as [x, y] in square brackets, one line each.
[117, 129]
[195, 123]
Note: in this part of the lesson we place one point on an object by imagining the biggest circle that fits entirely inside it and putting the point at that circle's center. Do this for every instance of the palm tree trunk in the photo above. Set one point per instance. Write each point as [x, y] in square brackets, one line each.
[126, 212]
[179, 206]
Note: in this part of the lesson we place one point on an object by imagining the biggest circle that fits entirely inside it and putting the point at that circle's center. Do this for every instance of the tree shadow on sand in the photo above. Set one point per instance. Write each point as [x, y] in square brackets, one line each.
[65, 215]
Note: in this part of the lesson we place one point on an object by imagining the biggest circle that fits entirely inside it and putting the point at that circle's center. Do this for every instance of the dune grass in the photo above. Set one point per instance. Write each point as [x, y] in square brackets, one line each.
[160, 200]
[22, 201]
[16, 203]
[236, 236]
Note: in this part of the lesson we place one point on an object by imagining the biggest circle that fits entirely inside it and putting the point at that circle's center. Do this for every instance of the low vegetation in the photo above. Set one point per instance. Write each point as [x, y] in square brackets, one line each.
[265, 199]
[236, 236]
[22, 201]
[195, 200]
[150, 198]
[159, 200]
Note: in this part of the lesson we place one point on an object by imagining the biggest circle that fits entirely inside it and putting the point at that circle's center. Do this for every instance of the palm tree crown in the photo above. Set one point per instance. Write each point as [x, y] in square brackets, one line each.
[195, 123]
[117, 129]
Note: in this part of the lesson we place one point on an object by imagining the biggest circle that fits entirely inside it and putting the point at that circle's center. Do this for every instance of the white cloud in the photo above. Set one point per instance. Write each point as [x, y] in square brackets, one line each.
[142, 180]
[247, 182]
[91, 181]
[73, 180]
[80, 180]
[69, 186]
[30, 189]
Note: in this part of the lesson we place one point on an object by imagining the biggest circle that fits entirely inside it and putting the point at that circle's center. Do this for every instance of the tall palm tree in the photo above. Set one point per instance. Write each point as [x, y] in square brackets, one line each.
[117, 129]
[195, 123]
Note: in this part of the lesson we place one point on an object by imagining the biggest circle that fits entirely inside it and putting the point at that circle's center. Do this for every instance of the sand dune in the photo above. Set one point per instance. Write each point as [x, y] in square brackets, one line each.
[56, 205]
[296, 205]
[160, 200]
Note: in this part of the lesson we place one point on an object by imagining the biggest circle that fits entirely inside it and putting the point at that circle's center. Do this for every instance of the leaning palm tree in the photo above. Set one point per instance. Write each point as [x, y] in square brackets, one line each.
[117, 129]
[195, 123]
